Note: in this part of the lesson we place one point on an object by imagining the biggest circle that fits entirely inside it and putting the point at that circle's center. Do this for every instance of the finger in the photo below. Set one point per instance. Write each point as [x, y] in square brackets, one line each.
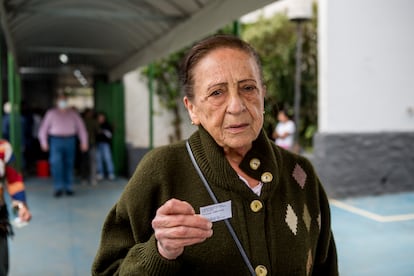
[171, 248]
[25, 215]
[183, 232]
[192, 221]
[175, 206]
[176, 245]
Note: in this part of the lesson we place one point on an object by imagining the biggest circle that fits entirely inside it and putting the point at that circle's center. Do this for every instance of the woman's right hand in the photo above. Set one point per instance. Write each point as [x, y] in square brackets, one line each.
[176, 225]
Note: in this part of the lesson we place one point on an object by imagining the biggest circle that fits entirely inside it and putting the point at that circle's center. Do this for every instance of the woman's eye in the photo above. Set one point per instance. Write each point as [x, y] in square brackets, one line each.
[248, 88]
[217, 97]
[216, 93]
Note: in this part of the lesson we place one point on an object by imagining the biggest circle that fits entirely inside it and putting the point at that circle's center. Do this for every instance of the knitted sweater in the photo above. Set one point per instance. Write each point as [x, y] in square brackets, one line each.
[286, 229]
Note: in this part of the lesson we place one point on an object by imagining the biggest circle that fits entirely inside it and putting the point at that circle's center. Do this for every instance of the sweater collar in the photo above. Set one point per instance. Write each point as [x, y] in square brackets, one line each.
[261, 163]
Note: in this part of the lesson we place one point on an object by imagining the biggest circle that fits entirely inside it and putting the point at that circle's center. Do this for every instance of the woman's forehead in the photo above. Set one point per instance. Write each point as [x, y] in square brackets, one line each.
[226, 60]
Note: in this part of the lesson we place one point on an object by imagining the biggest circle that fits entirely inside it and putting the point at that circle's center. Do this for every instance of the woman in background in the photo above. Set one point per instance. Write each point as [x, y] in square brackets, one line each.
[284, 131]
[104, 162]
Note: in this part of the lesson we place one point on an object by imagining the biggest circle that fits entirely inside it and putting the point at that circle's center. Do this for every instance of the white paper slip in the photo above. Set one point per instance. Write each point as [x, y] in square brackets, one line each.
[217, 212]
[17, 222]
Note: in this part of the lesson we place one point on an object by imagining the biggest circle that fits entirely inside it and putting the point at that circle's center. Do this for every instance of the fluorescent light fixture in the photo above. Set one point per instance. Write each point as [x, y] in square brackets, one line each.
[79, 76]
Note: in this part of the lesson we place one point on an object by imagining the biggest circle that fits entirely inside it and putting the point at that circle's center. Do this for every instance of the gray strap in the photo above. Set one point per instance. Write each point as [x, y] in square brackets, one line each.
[226, 221]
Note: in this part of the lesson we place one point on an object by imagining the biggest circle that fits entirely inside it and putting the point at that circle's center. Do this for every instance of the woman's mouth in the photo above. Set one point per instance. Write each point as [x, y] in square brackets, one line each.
[237, 127]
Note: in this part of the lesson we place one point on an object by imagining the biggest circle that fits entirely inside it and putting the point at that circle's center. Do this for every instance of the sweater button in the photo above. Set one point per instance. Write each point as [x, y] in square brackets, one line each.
[256, 205]
[260, 270]
[266, 177]
[254, 164]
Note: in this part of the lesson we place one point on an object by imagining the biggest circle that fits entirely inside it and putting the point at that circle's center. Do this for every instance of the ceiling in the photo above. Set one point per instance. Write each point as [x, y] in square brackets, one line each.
[110, 37]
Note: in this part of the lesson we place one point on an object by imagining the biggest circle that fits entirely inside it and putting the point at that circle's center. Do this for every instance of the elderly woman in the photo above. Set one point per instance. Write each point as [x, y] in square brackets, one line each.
[271, 215]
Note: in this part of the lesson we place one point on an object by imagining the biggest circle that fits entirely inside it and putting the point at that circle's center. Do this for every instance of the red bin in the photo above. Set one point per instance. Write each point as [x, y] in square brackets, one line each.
[43, 168]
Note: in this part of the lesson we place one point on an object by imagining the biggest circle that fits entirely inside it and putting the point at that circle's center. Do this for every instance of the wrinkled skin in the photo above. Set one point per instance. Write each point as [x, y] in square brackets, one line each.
[228, 102]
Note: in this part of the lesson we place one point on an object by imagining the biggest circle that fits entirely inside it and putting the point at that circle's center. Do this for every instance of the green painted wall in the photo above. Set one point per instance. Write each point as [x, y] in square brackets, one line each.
[109, 98]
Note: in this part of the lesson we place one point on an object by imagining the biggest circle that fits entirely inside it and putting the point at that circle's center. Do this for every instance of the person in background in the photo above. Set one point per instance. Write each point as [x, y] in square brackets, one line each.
[284, 131]
[38, 114]
[7, 108]
[15, 186]
[29, 160]
[88, 158]
[58, 133]
[273, 216]
[103, 152]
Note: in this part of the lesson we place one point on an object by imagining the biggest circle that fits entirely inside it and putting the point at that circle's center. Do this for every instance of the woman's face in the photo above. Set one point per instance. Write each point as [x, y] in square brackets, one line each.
[281, 116]
[101, 118]
[228, 98]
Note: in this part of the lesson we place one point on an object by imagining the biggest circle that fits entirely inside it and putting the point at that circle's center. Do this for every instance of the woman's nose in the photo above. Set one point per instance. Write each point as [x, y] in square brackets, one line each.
[235, 104]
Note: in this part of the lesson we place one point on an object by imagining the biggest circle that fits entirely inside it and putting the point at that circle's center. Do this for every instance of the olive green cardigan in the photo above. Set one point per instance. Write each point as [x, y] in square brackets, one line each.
[287, 231]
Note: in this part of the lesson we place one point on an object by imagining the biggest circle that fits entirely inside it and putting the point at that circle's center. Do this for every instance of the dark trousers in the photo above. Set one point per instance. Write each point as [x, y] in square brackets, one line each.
[88, 165]
[62, 161]
[4, 255]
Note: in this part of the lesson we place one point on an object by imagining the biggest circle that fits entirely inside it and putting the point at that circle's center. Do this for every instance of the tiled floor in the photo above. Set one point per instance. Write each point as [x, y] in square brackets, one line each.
[374, 235]
[63, 236]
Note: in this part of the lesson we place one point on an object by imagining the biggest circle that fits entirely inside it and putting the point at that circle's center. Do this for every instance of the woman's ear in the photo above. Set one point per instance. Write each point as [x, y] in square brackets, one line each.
[191, 109]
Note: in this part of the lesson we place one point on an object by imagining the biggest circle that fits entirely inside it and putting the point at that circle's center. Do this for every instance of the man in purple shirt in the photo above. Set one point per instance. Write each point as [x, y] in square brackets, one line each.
[58, 133]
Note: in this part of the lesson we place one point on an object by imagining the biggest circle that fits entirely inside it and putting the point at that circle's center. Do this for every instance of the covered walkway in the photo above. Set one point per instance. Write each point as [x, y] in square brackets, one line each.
[373, 234]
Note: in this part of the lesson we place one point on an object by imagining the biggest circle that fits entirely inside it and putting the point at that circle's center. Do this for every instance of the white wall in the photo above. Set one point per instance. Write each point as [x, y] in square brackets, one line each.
[137, 115]
[366, 65]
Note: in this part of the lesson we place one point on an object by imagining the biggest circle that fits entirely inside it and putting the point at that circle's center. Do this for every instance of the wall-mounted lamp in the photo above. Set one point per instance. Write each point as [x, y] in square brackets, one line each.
[299, 11]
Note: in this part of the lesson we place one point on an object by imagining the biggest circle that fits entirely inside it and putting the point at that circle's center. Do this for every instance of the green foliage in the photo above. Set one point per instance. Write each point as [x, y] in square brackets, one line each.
[165, 73]
[275, 40]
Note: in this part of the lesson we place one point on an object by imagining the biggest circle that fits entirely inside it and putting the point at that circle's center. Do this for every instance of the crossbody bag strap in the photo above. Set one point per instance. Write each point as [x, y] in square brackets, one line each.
[226, 221]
